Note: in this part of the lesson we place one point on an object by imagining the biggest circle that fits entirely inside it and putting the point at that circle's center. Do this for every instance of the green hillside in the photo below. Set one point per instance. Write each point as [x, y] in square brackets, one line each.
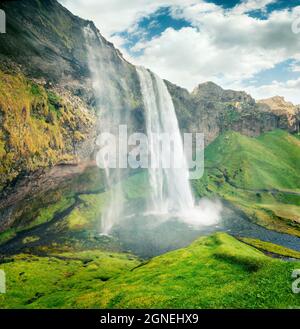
[213, 272]
[261, 176]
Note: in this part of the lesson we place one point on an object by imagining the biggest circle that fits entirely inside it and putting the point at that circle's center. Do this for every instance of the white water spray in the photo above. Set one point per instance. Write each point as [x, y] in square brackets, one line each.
[109, 106]
[171, 193]
[170, 189]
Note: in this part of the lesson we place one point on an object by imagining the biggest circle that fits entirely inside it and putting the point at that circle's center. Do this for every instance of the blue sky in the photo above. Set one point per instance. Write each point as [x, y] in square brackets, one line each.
[247, 45]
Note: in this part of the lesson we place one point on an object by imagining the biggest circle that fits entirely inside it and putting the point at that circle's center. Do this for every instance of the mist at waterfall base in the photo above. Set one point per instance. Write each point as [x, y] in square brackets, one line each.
[168, 218]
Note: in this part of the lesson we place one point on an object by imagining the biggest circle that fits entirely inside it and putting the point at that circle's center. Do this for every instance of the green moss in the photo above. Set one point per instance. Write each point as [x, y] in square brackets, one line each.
[7, 235]
[60, 281]
[272, 248]
[47, 214]
[38, 127]
[30, 239]
[35, 90]
[230, 116]
[87, 215]
[213, 272]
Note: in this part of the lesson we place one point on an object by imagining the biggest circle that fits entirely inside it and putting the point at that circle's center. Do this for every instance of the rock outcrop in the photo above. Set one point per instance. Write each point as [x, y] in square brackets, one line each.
[212, 110]
[288, 114]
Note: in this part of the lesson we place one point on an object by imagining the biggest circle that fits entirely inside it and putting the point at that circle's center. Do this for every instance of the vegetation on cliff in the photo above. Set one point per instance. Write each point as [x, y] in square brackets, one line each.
[38, 127]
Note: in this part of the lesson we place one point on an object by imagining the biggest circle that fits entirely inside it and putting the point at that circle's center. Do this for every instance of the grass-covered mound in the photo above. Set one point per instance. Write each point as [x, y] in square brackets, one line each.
[213, 272]
[261, 176]
[272, 248]
[59, 280]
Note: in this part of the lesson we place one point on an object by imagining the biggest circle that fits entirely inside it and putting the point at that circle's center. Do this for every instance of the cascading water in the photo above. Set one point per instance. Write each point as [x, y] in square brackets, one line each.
[170, 188]
[171, 200]
[110, 116]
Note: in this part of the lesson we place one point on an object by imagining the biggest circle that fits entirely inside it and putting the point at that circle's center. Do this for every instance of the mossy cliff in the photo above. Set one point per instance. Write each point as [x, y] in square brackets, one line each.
[38, 127]
[49, 44]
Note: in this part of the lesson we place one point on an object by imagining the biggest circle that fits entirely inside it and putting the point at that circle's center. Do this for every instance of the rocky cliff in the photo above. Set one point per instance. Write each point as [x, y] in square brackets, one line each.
[48, 109]
[213, 110]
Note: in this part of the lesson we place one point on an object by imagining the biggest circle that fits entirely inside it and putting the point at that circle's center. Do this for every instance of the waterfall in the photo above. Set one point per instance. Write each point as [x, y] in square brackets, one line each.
[170, 188]
[110, 117]
[170, 192]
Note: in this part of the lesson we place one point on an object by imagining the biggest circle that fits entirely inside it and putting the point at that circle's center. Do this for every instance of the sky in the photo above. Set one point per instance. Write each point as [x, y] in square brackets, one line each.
[251, 45]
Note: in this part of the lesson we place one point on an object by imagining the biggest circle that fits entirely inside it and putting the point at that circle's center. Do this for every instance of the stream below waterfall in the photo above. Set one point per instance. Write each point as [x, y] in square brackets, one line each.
[149, 235]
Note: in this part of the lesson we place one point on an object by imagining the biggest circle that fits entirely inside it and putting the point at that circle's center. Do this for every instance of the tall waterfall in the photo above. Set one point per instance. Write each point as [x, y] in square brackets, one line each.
[170, 188]
[111, 114]
[170, 193]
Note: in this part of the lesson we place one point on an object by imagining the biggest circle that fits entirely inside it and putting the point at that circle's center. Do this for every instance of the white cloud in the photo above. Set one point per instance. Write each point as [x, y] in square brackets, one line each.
[296, 67]
[187, 57]
[112, 16]
[289, 89]
[251, 5]
[223, 45]
[220, 46]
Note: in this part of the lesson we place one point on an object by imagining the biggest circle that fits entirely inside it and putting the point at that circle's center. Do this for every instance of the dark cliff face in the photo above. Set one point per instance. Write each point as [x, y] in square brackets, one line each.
[46, 39]
[45, 47]
[211, 110]
[50, 44]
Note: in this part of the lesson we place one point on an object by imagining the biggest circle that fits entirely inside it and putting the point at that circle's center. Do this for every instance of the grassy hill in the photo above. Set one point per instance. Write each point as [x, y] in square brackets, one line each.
[213, 272]
[261, 176]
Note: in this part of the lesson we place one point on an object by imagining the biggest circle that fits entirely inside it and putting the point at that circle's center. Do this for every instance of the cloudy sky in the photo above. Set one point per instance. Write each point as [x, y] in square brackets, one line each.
[252, 45]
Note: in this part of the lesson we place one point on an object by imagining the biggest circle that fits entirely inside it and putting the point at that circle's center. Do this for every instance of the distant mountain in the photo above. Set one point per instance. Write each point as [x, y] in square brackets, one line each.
[280, 106]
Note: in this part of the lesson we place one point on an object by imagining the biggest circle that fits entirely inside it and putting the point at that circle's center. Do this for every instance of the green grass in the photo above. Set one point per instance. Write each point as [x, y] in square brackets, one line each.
[59, 281]
[270, 161]
[213, 272]
[272, 248]
[245, 171]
